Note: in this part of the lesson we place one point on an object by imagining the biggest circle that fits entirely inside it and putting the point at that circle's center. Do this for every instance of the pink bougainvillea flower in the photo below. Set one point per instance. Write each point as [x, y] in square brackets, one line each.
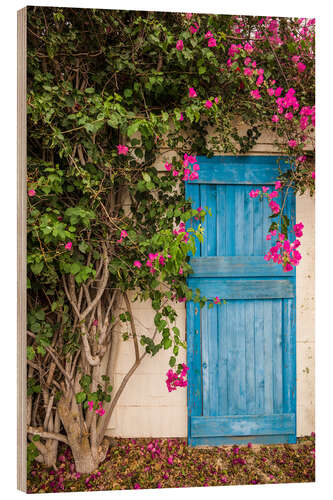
[137, 264]
[212, 42]
[168, 166]
[248, 48]
[288, 267]
[181, 270]
[313, 175]
[209, 34]
[180, 45]
[289, 116]
[31, 193]
[254, 64]
[277, 184]
[194, 29]
[255, 94]
[247, 61]
[248, 71]
[295, 59]
[273, 194]
[216, 99]
[95, 322]
[122, 150]
[182, 299]
[274, 207]
[260, 80]
[170, 460]
[281, 237]
[175, 173]
[292, 143]
[192, 92]
[196, 167]
[193, 176]
[275, 118]
[181, 117]
[254, 193]
[137, 486]
[69, 245]
[123, 234]
[268, 237]
[265, 189]
[298, 229]
[301, 67]
[208, 104]
[189, 15]
[217, 300]
[278, 91]
[273, 233]
[90, 405]
[153, 256]
[270, 92]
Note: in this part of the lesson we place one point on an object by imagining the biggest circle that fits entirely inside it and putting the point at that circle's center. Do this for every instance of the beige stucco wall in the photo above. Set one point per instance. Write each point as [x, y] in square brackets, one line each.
[146, 408]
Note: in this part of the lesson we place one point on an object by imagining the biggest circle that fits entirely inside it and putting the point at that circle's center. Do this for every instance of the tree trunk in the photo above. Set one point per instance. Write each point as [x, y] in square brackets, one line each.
[78, 437]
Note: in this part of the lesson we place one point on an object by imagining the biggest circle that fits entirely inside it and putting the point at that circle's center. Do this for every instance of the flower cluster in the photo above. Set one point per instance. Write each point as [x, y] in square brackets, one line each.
[99, 411]
[123, 234]
[190, 162]
[284, 252]
[122, 150]
[175, 380]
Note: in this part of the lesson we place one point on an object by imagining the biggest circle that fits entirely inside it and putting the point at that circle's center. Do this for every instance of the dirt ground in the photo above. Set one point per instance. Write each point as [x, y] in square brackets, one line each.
[170, 463]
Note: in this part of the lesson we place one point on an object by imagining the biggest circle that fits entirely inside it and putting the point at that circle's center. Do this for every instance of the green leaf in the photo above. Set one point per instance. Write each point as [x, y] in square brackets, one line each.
[37, 268]
[132, 129]
[30, 353]
[167, 343]
[172, 361]
[81, 397]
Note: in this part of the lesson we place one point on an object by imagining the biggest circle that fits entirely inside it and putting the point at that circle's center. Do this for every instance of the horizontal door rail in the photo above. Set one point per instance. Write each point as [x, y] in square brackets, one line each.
[244, 288]
[239, 170]
[244, 425]
[233, 267]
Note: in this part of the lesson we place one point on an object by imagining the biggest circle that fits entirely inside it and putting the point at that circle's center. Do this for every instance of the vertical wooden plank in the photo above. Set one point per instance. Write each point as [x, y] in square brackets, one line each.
[221, 223]
[277, 355]
[209, 349]
[21, 249]
[249, 222]
[236, 357]
[193, 191]
[266, 222]
[208, 198]
[259, 354]
[268, 356]
[289, 356]
[258, 224]
[241, 354]
[230, 220]
[223, 363]
[240, 237]
[194, 388]
[250, 356]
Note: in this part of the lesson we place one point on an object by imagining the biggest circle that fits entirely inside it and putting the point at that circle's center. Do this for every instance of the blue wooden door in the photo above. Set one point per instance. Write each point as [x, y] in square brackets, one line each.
[242, 355]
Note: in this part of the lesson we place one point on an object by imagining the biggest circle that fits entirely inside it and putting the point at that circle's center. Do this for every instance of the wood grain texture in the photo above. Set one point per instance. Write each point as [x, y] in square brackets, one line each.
[249, 288]
[247, 357]
[263, 170]
[236, 266]
[246, 425]
[21, 248]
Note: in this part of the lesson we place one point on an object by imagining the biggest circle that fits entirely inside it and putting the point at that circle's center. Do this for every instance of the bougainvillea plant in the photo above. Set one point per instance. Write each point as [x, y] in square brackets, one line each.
[119, 105]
